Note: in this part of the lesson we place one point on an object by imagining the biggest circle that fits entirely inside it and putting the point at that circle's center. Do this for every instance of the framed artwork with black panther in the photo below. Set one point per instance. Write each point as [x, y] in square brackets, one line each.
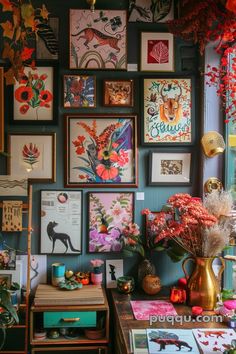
[61, 222]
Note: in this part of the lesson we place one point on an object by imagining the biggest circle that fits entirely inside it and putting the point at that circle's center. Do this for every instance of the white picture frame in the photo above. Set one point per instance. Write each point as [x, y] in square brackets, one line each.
[114, 270]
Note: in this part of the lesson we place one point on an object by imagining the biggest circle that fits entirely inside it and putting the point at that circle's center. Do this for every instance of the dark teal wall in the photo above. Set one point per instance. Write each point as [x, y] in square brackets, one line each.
[186, 64]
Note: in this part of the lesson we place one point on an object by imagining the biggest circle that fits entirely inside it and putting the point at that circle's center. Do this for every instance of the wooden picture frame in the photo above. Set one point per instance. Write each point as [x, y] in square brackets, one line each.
[118, 93]
[79, 91]
[32, 156]
[101, 150]
[61, 222]
[104, 224]
[170, 167]
[98, 39]
[167, 111]
[1, 109]
[34, 96]
[157, 51]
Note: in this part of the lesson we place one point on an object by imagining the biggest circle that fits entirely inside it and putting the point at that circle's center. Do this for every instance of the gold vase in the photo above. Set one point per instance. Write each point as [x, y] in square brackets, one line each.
[203, 286]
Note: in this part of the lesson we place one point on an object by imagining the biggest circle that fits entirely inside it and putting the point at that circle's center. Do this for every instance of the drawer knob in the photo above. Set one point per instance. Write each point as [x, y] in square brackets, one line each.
[72, 319]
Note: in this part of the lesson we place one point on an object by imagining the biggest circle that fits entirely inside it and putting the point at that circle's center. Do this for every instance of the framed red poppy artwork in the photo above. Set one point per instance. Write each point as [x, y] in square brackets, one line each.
[34, 97]
[101, 150]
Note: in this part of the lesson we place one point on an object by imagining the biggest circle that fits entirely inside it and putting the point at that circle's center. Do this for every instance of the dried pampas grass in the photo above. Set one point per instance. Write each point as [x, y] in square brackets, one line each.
[218, 203]
[214, 240]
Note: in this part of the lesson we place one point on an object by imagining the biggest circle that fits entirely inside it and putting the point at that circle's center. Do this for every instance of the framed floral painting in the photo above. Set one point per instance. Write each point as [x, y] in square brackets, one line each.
[79, 91]
[1, 109]
[167, 109]
[33, 156]
[118, 93]
[157, 51]
[98, 39]
[108, 214]
[34, 98]
[101, 150]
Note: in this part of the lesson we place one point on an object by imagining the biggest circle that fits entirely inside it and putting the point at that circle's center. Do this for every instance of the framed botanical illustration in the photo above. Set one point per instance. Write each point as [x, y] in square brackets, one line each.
[149, 11]
[1, 109]
[79, 91]
[170, 168]
[101, 150]
[167, 109]
[34, 99]
[118, 93]
[32, 156]
[61, 221]
[98, 39]
[157, 51]
[108, 214]
[47, 46]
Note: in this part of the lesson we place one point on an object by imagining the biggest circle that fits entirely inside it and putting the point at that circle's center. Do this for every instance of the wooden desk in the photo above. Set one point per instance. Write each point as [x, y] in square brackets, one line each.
[125, 321]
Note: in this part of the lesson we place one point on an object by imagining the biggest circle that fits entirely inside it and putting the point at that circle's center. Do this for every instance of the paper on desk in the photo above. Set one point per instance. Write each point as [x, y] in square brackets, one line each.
[143, 309]
[214, 340]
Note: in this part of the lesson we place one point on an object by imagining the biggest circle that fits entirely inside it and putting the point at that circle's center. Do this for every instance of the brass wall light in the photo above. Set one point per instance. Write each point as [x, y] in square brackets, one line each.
[212, 143]
[92, 4]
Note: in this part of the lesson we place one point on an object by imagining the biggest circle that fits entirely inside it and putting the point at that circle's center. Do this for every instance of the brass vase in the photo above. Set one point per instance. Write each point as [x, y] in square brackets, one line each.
[203, 286]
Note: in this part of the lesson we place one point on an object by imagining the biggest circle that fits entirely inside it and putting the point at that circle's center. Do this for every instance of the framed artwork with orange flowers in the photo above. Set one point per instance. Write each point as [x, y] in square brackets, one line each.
[101, 150]
[34, 96]
[33, 156]
[79, 91]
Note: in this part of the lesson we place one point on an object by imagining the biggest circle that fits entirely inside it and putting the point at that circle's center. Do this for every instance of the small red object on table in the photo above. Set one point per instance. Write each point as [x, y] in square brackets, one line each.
[197, 310]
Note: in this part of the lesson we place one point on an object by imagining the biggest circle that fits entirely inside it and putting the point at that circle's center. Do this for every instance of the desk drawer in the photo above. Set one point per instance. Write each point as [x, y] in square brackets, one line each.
[69, 319]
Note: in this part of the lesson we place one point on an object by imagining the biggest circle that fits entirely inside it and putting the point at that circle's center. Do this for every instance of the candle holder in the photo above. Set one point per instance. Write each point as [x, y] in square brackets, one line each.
[125, 284]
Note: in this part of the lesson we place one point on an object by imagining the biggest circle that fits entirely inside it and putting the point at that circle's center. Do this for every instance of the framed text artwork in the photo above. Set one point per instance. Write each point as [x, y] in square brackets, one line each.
[149, 11]
[101, 150]
[157, 51]
[79, 91]
[34, 99]
[167, 111]
[61, 221]
[170, 168]
[108, 214]
[98, 39]
[33, 156]
[1, 109]
[118, 93]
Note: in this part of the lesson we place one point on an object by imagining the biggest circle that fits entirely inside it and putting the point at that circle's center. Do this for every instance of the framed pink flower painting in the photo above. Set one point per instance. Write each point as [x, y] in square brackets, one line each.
[108, 214]
[101, 150]
[157, 51]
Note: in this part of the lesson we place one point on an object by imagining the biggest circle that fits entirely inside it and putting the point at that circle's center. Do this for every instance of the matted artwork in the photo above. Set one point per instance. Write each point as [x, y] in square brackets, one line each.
[12, 215]
[114, 270]
[61, 222]
[118, 93]
[98, 39]
[38, 270]
[108, 214]
[13, 185]
[1, 109]
[32, 156]
[101, 150]
[34, 96]
[7, 259]
[79, 91]
[151, 11]
[47, 39]
[157, 51]
[167, 111]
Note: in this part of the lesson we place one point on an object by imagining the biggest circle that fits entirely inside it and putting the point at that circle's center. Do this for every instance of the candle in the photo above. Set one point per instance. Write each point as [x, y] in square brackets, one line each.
[197, 310]
[125, 284]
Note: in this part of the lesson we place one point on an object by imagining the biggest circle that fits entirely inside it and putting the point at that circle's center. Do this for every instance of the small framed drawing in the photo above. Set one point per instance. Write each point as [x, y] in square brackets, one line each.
[5, 280]
[114, 270]
[1, 109]
[101, 150]
[146, 11]
[108, 214]
[79, 91]
[98, 39]
[167, 109]
[61, 221]
[169, 167]
[7, 259]
[157, 51]
[32, 156]
[47, 46]
[118, 93]
[34, 96]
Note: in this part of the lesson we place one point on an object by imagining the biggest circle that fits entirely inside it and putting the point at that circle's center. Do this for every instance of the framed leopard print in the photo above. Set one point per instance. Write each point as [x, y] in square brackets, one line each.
[118, 93]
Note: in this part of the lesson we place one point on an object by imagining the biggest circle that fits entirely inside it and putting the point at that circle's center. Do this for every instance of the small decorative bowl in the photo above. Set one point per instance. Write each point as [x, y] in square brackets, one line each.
[125, 284]
[94, 333]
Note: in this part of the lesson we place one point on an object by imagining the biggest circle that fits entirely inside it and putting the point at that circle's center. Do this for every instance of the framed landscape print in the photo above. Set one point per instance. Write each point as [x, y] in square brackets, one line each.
[34, 99]
[98, 39]
[170, 168]
[167, 107]
[101, 150]
[79, 91]
[150, 11]
[157, 51]
[1, 109]
[108, 214]
[118, 93]
[61, 221]
[32, 156]
[47, 46]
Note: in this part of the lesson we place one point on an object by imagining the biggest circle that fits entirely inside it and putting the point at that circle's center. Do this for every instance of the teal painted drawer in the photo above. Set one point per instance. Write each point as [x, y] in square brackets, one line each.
[69, 319]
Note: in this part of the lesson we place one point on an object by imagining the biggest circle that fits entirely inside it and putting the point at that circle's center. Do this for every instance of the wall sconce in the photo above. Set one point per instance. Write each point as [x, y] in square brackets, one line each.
[92, 4]
[212, 144]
